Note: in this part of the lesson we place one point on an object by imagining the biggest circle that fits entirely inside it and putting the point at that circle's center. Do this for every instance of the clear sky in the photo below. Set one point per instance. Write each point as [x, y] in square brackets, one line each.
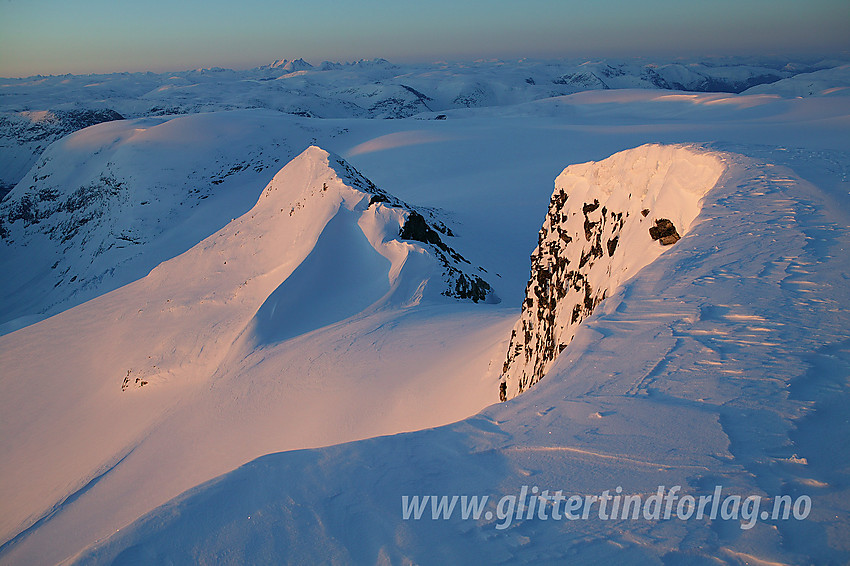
[83, 36]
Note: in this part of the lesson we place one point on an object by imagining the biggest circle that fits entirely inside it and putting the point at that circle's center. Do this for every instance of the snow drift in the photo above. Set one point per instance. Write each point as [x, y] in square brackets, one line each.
[322, 244]
[605, 222]
[240, 320]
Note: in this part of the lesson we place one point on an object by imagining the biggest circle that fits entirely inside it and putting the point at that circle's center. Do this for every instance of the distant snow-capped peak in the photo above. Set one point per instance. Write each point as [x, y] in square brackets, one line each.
[293, 65]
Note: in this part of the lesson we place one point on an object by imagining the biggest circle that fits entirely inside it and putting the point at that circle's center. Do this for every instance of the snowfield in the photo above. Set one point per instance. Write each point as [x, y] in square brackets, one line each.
[242, 332]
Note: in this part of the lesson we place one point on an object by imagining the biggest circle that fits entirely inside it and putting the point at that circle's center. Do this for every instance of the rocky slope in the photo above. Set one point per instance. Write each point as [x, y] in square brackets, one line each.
[605, 221]
[25, 135]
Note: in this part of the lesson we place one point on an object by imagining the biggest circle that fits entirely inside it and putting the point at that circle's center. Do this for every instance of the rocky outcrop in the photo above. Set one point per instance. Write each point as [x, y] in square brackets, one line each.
[664, 232]
[461, 279]
[605, 222]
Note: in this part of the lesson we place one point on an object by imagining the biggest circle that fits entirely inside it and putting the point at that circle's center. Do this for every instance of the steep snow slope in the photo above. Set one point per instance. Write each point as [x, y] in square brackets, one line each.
[599, 232]
[724, 362]
[211, 360]
[105, 205]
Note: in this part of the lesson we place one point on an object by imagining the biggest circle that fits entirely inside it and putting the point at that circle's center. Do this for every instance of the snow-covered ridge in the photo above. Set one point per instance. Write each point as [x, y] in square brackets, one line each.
[322, 244]
[833, 81]
[325, 261]
[105, 205]
[390, 225]
[606, 221]
[724, 362]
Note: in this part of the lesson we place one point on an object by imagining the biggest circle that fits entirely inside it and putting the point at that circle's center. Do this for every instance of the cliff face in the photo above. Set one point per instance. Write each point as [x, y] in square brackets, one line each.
[606, 220]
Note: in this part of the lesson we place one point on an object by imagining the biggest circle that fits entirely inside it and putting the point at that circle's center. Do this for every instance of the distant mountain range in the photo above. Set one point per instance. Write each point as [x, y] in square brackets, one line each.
[35, 111]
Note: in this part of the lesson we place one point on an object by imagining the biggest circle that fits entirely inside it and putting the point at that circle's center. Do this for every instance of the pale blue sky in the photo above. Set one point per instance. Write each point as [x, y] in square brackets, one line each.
[82, 36]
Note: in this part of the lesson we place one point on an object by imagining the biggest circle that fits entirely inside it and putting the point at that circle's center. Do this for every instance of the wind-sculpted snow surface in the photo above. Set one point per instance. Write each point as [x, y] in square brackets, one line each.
[723, 363]
[212, 310]
[324, 262]
[600, 231]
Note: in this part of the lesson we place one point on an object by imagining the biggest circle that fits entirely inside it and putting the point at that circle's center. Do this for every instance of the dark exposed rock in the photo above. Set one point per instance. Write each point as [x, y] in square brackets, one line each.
[612, 245]
[588, 207]
[559, 294]
[588, 229]
[651, 76]
[469, 287]
[415, 228]
[416, 93]
[83, 205]
[584, 80]
[461, 285]
[664, 231]
[541, 338]
[378, 198]
[78, 119]
[715, 84]
[5, 189]
[357, 180]
[19, 129]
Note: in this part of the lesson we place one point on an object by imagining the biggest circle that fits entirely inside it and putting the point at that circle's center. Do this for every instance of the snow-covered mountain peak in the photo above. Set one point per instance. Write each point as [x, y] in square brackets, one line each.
[305, 176]
[323, 248]
[319, 201]
[317, 167]
[291, 66]
[323, 253]
[321, 245]
[318, 175]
